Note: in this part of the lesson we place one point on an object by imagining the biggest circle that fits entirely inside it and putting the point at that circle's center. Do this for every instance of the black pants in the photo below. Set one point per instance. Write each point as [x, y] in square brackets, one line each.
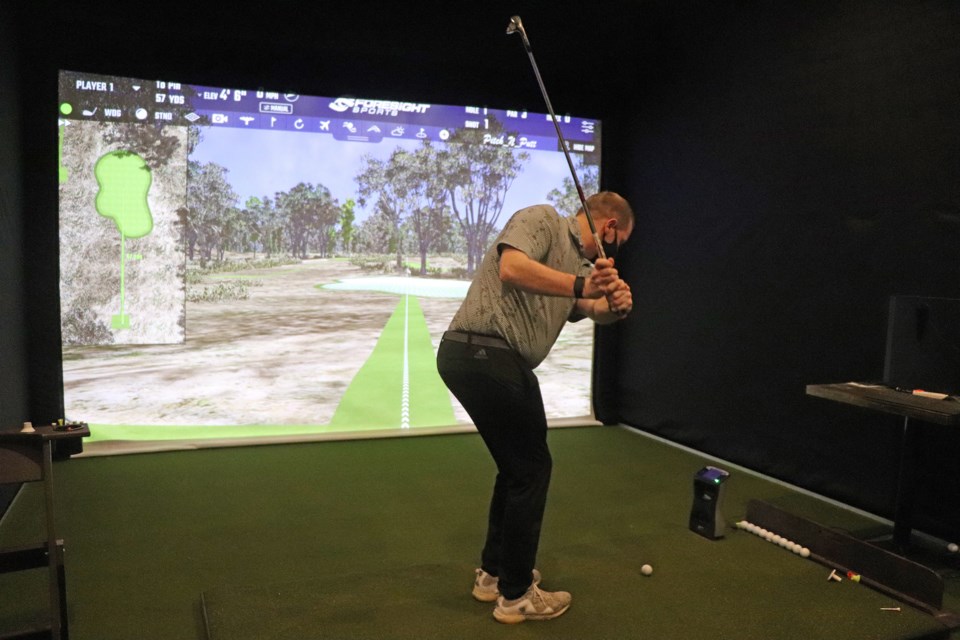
[502, 396]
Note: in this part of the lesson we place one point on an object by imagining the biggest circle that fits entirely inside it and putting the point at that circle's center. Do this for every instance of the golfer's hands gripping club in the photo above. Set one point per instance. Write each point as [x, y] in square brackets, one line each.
[620, 299]
[604, 281]
[517, 269]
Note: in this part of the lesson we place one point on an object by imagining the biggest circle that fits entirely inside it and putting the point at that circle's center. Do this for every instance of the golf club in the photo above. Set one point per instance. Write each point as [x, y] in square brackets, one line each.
[516, 26]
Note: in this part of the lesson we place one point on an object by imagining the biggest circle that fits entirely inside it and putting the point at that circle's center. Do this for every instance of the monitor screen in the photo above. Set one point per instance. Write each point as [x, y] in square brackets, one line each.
[248, 263]
[923, 344]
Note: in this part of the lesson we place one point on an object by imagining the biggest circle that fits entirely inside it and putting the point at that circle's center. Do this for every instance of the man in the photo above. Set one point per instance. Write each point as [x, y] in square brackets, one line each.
[534, 278]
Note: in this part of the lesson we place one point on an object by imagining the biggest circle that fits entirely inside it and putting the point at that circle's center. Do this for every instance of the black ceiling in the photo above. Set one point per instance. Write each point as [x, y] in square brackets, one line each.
[444, 52]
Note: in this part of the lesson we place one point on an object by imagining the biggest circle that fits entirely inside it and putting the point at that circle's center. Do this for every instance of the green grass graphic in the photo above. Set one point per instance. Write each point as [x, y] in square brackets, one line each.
[374, 397]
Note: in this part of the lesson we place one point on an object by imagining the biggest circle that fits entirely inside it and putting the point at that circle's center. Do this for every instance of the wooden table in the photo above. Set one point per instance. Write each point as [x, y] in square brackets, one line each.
[913, 409]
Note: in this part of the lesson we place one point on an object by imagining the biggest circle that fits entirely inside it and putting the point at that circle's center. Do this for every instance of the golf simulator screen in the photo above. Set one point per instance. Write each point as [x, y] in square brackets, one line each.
[249, 263]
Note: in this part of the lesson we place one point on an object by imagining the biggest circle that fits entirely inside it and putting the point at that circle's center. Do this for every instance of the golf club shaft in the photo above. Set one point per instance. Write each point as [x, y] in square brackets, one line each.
[517, 25]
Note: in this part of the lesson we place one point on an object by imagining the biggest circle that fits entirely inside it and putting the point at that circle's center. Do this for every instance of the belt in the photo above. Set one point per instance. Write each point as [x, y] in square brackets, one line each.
[476, 338]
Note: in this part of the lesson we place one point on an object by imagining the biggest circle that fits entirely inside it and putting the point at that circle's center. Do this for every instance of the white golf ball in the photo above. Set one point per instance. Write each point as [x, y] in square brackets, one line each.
[952, 547]
[805, 552]
[646, 570]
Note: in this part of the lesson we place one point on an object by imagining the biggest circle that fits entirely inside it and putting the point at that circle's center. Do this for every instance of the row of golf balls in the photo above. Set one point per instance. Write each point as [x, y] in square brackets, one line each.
[770, 536]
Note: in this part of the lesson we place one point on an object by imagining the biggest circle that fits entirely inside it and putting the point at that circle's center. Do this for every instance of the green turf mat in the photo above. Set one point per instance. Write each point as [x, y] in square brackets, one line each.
[740, 589]
[147, 534]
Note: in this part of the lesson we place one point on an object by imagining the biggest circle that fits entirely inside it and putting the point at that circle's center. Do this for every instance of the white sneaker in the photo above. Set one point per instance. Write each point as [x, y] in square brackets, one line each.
[535, 604]
[486, 587]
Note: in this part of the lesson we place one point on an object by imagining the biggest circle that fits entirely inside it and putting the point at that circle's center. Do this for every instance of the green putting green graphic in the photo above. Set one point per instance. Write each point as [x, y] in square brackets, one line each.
[124, 180]
[398, 385]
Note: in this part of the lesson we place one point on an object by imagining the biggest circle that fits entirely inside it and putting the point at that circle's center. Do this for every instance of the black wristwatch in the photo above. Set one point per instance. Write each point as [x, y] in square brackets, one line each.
[578, 287]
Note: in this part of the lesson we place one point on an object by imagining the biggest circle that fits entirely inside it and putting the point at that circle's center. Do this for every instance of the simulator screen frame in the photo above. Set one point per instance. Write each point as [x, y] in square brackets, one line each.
[247, 263]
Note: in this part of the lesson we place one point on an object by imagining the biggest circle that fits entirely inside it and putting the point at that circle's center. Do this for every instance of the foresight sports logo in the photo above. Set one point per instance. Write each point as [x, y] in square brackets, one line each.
[377, 107]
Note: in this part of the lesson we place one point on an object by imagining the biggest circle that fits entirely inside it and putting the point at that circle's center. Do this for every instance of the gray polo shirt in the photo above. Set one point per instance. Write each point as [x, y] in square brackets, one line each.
[530, 323]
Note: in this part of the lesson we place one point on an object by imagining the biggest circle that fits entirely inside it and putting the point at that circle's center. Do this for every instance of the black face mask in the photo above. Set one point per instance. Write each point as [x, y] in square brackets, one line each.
[610, 248]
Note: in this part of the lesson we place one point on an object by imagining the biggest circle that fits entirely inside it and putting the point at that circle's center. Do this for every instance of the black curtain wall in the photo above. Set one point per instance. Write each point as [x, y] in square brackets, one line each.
[800, 166]
[13, 379]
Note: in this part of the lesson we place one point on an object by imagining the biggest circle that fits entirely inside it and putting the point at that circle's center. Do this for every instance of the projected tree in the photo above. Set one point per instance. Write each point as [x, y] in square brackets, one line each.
[124, 180]
[426, 199]
[417, 177]
[477, 168]
[566, 200]
[309, 213]
[466, 180]
[210, 201]
[386, 183]
[264, 222]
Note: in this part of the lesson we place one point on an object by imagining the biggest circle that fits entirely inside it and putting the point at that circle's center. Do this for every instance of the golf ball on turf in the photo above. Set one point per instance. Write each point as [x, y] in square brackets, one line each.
[646, 570]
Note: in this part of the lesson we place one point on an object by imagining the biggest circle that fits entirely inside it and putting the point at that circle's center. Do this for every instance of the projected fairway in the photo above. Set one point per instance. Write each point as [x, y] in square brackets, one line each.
[398, 386]
[317, 348]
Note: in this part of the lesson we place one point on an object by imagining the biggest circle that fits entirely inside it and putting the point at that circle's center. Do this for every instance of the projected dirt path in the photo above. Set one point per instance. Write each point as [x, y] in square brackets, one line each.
[284, 356]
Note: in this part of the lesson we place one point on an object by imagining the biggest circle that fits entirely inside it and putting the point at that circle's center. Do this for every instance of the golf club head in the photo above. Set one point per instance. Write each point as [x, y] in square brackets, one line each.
[516, 26]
